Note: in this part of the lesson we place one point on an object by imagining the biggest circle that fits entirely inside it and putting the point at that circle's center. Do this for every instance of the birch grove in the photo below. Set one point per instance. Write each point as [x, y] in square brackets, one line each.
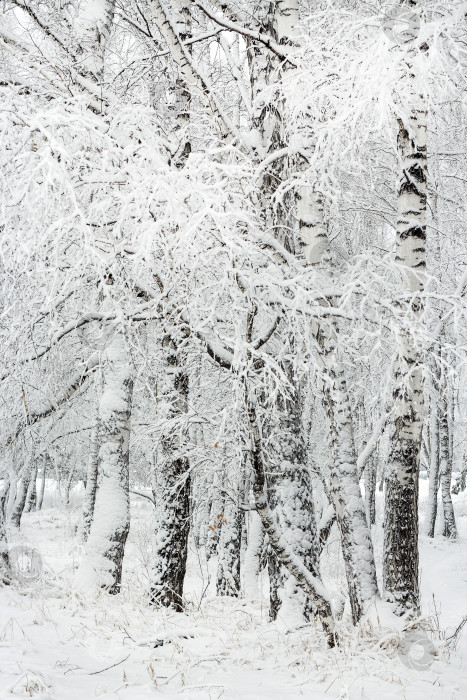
[233, 288]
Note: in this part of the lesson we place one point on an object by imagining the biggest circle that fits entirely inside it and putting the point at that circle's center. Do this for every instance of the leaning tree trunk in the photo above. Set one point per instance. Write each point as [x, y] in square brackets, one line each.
[174, 484]
[344, 486]
[345, 491]
[445, 461]
[310, 583]
[91, 486]
[103, 559]
[401, 556]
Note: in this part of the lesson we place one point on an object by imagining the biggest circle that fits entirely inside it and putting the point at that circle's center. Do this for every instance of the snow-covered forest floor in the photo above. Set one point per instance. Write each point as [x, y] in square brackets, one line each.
[55, 643]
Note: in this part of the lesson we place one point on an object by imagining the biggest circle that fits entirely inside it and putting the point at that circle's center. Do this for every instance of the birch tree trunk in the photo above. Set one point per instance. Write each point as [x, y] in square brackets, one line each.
[21, 495]
[105, 546]
[40, 494]
[309, 583]
[228, 568]
[174, 484]
[91, 486]
[215, 522]
[344, 487]
[370, 490]
[433, 487]
[31, 497]
[4, 560]
[401, 556]
[254, 548]
[345, 491]
[445, 464]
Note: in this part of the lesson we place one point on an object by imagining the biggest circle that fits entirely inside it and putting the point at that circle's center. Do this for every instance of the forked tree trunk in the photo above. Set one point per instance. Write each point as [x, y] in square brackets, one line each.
[344, 486]
[309, 583]
[401, 555]
[103, 559]
[345, 491]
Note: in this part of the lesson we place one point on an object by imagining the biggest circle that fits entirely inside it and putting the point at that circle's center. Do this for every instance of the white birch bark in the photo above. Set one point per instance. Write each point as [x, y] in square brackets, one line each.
[310, 584]
[433, 486]
[4, 560]
[445, 464]
[344, 487]
[400, 568]
[40, 494]
[251, 564]
[102, 563]
[21, 494]
[91, 485]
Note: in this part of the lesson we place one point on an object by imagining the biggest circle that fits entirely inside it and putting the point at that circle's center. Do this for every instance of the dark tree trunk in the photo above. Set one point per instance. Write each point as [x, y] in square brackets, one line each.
[228, 568]
[174, 484]
[4, 560]
[433, 487]
[445, 460]
[370, 490]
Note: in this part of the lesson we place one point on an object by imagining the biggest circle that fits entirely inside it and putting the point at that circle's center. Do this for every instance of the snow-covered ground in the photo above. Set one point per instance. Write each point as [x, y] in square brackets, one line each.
[56, 644]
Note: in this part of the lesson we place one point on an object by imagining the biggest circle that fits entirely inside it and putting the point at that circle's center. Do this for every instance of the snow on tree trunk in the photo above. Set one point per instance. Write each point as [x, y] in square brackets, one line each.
[215, 520]
[254, 548]
[4, 561]
[291, 497]
[310, 584]
[345, 490]
[445, 464]
[401, 556]
[31, 497]
[40, 494]
[344, 487]
[21, 495]
[433, 487]
[173, 483]
[102, 562]
[229, 548]
[91, 486]
[370, 490]
[276, 574]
